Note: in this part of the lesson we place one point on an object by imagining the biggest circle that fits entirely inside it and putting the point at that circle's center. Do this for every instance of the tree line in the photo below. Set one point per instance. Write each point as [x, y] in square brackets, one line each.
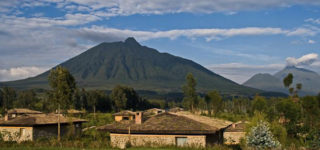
[65, 93]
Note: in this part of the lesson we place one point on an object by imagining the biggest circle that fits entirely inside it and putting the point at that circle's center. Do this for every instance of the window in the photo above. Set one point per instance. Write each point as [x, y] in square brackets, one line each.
[22, 132]
[181, 141]
[125, 118]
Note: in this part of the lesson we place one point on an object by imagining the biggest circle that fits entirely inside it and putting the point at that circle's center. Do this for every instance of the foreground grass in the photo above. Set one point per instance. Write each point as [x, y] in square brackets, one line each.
[138, 148]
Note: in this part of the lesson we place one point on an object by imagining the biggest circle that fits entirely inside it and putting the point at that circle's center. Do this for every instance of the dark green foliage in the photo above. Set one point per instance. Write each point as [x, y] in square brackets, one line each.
[287, 81]
[190, 99]
[310, 106]
[9, 95]
[259, 104]
[313, 139]
[63, 87]
[214, 102]
[128, 63]
[124, 97]
[26, 99]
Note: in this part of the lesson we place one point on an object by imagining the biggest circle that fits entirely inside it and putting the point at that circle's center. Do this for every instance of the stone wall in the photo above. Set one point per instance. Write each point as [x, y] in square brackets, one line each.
[120, 140]
[233, 137]
[49, 131]
[16, 133]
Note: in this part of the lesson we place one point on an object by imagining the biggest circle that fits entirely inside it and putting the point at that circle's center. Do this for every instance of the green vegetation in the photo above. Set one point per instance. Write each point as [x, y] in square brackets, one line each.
[293, 121]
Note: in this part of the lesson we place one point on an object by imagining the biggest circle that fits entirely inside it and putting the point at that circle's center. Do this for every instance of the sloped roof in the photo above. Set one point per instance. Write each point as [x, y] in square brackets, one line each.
[23, 111]
[218, 123]
[124, 113]
[164, 123]
[239, 127]
[39, 119]
[74, 111]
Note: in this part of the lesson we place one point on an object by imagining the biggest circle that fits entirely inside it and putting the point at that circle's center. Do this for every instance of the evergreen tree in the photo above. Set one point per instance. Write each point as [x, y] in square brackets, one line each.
[190, 99]
[260, 137]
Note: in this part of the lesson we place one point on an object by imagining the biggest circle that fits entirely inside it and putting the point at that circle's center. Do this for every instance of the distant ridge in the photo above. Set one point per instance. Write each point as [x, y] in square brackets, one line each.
[129, 63]
[310, 81]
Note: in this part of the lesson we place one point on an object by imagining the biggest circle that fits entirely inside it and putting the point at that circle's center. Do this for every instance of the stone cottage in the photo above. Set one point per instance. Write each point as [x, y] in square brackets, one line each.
[16, 112]
[34, 126]
[165, 129]
[234, 133]
[124, 115]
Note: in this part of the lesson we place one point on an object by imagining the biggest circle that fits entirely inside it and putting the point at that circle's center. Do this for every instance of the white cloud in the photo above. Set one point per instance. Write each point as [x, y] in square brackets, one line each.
[20, 73]
[97, 33]
[305, 60]
[240, 73]
[131, 7]
[315, 21]
[311, 41]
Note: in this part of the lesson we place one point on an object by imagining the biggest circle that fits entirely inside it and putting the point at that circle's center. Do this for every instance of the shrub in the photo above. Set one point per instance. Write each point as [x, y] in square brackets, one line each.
[260, 137]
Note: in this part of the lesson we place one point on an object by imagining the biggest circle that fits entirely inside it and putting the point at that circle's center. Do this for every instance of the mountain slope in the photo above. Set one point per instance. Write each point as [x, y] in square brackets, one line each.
[265, 82]
[310, 80]
[129, 63]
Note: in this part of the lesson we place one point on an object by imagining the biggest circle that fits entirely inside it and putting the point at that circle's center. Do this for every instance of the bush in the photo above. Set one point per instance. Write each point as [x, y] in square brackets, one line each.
[260, 137]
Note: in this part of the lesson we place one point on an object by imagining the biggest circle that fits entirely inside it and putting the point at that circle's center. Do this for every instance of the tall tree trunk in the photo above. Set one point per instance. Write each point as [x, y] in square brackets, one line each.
[59, 122]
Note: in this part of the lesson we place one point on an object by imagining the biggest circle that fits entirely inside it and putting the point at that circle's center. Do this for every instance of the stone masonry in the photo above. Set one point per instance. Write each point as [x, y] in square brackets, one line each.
[121, 140]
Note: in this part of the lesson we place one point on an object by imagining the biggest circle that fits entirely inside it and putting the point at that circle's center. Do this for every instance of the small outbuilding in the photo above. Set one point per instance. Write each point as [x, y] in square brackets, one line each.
[124, 115]
[165, 129]
[234, 133]
[34, 126]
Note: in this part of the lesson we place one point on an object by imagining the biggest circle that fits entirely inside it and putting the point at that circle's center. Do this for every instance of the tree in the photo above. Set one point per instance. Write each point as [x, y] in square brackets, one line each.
[124, 98]
[287, 81]
[260, 137]
[63, 87]
[9, 95]
[259, 104]
[26, 99]
[190, 99]
[214, 102]
[310, 107]
[291, 113]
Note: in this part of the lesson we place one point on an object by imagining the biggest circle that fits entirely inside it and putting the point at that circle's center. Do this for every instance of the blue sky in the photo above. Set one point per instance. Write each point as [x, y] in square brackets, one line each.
[235, 39]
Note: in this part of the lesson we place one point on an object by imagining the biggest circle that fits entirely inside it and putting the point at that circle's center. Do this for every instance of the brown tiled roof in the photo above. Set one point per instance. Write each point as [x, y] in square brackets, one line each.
[164, 123]
[124, 113]
[239, 127]
[39, 119]
[215, 122]
[23, 111]
[74, 111]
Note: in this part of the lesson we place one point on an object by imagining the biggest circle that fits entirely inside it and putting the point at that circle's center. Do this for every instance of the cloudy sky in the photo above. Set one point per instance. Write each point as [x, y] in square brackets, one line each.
[234, 38]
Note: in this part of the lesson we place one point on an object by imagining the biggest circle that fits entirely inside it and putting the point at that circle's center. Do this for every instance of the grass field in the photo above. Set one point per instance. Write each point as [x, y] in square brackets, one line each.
[58, 148]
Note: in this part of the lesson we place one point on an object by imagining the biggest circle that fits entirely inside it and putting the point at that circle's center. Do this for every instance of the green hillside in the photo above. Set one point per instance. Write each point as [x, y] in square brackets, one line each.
[129, 63]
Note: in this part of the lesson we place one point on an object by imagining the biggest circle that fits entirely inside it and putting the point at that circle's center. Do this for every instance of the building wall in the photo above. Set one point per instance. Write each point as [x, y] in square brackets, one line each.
[16, 133]
[120, 140]
[48, 131]
[233, 137]
[119, 118]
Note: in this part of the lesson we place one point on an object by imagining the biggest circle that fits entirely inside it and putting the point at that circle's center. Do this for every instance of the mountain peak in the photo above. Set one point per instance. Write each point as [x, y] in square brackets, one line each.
[131, 41]
[297, 69]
